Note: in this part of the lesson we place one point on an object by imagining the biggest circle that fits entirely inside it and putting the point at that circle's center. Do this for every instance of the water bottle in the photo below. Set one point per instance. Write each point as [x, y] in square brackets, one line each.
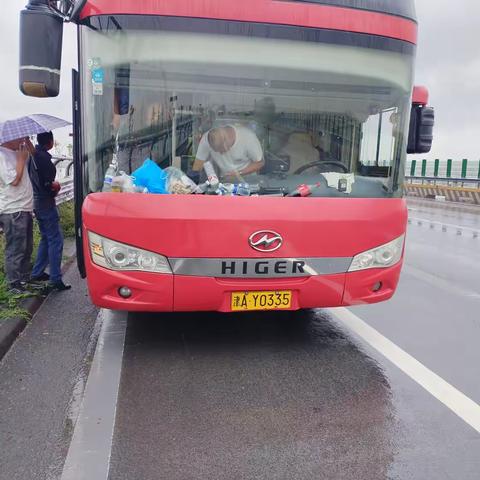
[227, 188]
[211, 175]
[203, 187]
[117, 184]
[241, 189]
[128, 185]
[109, 174]
[189, 183]
[123, 183]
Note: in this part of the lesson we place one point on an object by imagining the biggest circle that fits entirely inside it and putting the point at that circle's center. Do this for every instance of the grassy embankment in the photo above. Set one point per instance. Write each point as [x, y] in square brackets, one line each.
[9, 305]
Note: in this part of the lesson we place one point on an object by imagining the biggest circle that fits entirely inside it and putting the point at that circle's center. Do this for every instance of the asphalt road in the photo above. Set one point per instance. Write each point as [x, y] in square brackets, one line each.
[298, 395]
[41, 378]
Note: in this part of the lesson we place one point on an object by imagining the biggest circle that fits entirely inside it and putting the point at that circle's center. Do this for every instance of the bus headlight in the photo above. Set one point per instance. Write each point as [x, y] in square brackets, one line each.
[118, 256]
[379, 257]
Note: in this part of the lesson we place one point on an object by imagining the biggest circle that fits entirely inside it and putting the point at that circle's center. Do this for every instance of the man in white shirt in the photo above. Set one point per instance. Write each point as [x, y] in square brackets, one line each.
[234, 150]
[16, 206]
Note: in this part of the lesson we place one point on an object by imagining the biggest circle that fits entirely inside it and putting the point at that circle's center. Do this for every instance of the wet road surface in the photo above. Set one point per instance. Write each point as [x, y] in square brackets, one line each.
[41, 379]
[250, 396]
[445, 212]
[271, 396]
[295, 395]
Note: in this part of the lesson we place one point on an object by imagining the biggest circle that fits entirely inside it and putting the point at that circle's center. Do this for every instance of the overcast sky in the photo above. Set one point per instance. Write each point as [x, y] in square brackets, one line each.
[448, 63]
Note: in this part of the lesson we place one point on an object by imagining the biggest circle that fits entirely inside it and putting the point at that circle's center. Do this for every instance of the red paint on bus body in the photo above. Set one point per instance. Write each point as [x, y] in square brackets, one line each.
[150, 292]
[359, 285]
[219, 227]
[215, 294]
[265, 11]
[209, 226]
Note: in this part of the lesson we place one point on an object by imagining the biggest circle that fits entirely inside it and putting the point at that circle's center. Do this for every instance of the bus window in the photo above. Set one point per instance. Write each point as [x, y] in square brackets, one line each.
[310, 119]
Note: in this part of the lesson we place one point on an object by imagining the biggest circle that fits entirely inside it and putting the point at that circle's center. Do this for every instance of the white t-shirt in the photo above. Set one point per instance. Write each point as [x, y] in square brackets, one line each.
[13, 199]
[244, 151]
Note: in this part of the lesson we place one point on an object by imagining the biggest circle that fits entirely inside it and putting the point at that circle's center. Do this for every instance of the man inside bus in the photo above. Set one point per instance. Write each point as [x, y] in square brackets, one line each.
[234, 150]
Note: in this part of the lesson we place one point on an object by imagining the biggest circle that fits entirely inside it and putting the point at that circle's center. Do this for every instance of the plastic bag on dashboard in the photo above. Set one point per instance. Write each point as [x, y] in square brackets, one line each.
[151, 176]
[179, 183]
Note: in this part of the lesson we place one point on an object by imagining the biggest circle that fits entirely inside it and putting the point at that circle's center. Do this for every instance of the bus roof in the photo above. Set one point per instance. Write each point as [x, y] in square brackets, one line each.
[389, 18]
[403, 8]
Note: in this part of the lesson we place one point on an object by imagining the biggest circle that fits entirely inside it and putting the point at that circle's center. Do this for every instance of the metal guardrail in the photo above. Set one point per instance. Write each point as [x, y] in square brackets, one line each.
[461, 191]
[65, 177]
[66, 170]
[66, 192]
[443, 181]
[57, 160]
[451, 180]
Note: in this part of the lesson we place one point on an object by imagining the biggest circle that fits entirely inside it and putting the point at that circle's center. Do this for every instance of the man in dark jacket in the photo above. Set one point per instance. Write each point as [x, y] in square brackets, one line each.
[42, 173]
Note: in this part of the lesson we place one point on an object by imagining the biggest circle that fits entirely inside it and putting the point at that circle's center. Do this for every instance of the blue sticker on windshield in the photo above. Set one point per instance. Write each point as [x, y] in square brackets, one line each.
[98, 75]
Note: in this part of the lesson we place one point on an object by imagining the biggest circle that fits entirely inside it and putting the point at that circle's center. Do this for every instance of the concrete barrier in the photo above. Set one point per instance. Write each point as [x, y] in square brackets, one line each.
[445, 193]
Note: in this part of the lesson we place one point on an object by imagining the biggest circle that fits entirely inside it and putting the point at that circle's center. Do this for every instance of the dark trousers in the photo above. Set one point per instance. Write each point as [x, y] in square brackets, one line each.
[50, 249]
[18, 231]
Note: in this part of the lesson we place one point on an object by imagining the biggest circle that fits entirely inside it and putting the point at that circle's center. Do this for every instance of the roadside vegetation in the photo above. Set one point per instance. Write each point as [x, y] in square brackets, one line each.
[10, 305]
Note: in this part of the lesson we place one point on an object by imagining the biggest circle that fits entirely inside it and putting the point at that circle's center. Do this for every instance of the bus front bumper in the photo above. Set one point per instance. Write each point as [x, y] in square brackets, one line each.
[167, 293]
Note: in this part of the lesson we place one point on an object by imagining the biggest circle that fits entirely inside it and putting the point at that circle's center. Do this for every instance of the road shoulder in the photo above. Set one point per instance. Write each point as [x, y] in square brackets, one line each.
[12, 328]
[41, 380]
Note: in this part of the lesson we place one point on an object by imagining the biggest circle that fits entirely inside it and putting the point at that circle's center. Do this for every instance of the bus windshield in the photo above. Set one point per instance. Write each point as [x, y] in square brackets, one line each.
[273, 113]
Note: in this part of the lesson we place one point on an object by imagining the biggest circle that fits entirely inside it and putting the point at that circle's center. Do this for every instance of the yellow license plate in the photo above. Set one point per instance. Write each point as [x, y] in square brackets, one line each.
[278, 300]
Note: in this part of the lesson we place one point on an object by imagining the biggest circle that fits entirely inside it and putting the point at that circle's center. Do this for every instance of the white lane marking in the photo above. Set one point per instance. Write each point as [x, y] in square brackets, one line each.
[88, 457]
[474, 231]
[456, 401]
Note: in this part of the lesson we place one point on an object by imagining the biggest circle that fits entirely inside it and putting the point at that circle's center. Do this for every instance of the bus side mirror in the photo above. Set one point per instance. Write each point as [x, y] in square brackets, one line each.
[422, 119]
[41, 34]
[420, 135]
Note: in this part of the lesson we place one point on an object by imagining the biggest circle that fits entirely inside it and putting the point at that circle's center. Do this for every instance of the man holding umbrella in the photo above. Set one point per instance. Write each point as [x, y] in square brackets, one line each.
[16, 205]
[16, 201]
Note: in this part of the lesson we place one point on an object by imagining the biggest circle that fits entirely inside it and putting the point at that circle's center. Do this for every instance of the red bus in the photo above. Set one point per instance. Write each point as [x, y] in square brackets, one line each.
[303, 112]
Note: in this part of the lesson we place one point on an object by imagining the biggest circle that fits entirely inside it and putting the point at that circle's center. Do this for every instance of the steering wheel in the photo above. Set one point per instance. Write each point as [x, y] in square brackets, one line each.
[319, 163]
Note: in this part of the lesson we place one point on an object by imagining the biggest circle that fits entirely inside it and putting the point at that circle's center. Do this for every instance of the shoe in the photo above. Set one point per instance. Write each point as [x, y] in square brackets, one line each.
[19, 288]
[44, 277]
[59, 286]
[37, 286]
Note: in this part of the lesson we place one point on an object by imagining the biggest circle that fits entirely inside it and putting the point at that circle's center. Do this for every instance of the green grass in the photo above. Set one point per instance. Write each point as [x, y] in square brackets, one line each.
[9, 305]
[67, 219]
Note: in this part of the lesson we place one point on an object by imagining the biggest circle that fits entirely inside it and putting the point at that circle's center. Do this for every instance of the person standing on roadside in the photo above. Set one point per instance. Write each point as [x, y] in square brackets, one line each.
[16, 205]
[42, 175]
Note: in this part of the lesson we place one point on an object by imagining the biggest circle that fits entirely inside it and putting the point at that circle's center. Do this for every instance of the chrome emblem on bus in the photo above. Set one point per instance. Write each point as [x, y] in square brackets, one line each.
[265, 241]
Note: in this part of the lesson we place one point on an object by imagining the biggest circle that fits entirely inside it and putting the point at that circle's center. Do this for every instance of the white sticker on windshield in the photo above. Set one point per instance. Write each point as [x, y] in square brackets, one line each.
[97, 74]
[97, 88]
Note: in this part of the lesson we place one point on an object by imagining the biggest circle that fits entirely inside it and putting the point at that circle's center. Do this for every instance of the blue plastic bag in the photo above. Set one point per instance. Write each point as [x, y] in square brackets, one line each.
[151, 176]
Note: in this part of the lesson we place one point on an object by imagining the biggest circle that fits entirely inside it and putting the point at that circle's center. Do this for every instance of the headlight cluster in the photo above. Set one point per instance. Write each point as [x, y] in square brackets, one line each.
[118, 256]
[379, 257]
